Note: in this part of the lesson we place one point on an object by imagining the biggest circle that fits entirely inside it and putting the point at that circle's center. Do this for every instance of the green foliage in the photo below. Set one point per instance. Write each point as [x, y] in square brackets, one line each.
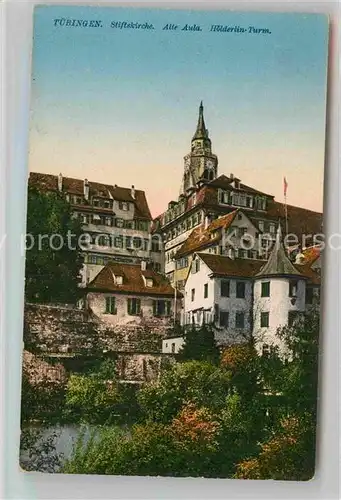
[242, 361]
[41, 401]
[38, 452]
[199, 344]
[93, 397]
[198, 382]
[300, 372]
[287, 455]
[52, 275]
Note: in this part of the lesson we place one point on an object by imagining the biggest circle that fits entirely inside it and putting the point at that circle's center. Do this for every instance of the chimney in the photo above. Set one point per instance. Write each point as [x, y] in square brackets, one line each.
[60, 183]
[132, 192]
[86, 189]
[231, 176]
[143, 265]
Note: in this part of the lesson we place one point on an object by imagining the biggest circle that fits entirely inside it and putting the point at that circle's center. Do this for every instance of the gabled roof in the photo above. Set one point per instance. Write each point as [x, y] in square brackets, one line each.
[278, 263]
[49, 182]
[225, 266]
[133, 281]
[201, 237]
[225, 182]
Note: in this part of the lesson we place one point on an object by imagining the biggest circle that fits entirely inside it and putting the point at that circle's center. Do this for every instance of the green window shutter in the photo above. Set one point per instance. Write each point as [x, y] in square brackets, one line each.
[154, 307]
[106, 304]
[138, 306]
[168, 307]
[129, 306]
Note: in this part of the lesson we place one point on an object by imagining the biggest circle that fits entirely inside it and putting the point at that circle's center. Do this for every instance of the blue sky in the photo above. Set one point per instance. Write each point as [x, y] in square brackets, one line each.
[120, 106]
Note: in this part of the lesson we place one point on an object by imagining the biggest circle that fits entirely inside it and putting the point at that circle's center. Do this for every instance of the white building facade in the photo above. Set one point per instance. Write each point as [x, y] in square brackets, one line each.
[245, 297]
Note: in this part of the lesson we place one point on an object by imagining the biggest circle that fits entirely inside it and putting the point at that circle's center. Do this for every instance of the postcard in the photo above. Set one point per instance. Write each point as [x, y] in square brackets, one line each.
[174, 243]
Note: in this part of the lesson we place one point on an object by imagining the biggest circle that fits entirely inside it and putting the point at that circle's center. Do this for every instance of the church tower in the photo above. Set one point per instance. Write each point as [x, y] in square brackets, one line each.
[200, 163]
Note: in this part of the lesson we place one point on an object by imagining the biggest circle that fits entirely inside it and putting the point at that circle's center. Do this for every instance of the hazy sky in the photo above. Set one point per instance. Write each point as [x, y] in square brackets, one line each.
[120, 105]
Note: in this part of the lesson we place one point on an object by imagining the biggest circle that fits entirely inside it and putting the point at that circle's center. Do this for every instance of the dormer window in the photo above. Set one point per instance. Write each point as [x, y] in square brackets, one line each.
[272, 228]
[149, 282]
[225, 197]
[237, 184]
[119, 280]
[123, 205]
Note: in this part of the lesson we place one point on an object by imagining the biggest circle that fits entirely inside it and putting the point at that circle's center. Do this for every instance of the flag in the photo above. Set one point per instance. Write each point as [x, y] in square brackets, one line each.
[285, 186]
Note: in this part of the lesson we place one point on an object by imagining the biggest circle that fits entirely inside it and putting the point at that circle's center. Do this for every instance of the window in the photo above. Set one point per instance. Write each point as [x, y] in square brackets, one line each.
[240, 319]
[292, 288]
[119, 280]
[309, 295]
[293, 316]
[129, 224]
[137, 242]
[118, 241]
[224, 197]
[205, 290]
[272, 228]
[149, 282]
[225, 288]
[134, 307]
[161, 307]
[261, 225]
[265, 289]
[123, 205]
[157, 267]
[110, 305]
[264, 320]
[195, 266]
[156, 247]
[108, 221]
[240, 290]
[119, 222]
[129, 243]
[103, 241]
[265, 350]
[193, 294]
[223, 318]
[173, 347]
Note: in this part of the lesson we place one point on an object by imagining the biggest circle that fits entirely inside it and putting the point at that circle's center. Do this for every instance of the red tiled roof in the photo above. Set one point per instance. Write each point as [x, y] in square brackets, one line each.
[224, 266]
[300, 220]
[133, 282]
[311, 254]
[201, 237]
[246, 268]
[225, 182]
[49, 182]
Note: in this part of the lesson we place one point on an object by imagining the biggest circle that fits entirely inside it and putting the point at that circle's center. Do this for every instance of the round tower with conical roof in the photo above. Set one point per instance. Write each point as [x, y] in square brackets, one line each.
[279, 297]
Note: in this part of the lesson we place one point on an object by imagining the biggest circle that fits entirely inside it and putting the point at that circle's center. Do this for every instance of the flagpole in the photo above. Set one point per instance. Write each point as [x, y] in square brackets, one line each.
[286, 214]
[285, 204]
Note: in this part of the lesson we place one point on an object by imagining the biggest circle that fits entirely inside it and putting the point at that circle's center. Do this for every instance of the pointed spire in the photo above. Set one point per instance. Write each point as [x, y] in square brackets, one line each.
[201, 132]
[278, 263]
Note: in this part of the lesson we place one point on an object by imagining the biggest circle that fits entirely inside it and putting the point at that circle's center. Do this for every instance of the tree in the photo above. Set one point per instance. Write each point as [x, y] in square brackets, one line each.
[287, 455]
[53, 258]
[93, 397]
[198, 382]
[199, 344]
[243, 363]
